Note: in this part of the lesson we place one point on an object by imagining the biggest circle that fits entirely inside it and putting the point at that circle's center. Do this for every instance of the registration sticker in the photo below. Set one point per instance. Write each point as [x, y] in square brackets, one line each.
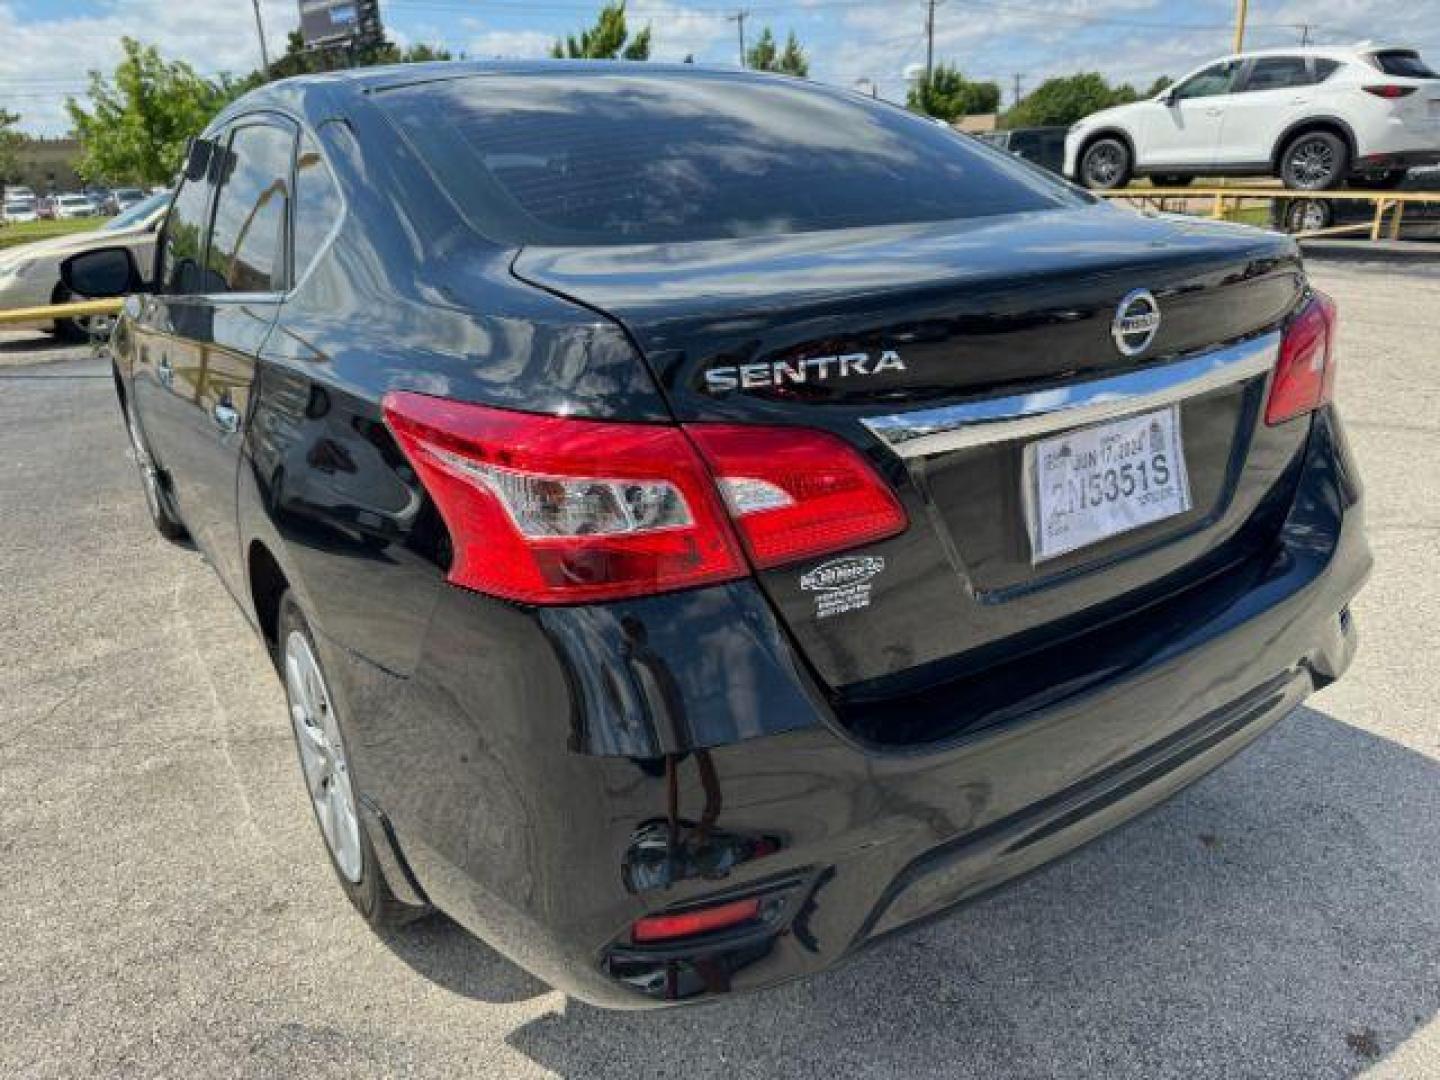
[1093, 483]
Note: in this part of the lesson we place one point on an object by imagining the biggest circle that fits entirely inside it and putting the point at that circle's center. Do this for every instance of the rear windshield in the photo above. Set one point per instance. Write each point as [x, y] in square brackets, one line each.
[1405, 64]
[596, 159]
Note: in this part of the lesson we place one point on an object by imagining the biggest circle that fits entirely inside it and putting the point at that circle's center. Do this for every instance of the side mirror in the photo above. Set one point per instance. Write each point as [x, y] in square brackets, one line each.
[1168, 98]
[102, 273]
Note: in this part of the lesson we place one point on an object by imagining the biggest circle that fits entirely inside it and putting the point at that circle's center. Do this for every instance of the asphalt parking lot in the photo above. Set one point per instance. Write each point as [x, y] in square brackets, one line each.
[168, 908]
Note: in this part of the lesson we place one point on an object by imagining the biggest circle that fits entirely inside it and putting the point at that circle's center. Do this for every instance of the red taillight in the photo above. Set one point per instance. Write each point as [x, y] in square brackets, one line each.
[1390, 90]
[796, 493]
[1305, 373]
[554, 510]
[700, 921]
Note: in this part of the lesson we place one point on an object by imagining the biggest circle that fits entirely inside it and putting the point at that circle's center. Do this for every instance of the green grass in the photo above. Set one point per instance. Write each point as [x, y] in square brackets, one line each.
[22, 232]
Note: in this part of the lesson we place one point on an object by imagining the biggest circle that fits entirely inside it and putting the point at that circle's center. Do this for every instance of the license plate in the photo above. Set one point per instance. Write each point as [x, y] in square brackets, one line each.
[1096, 482]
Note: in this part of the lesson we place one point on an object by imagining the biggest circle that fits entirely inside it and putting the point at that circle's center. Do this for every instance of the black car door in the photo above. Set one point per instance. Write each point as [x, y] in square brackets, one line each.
[219, 297]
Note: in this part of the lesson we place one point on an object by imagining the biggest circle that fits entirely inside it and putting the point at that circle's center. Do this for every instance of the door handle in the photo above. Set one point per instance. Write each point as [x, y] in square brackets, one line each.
[226, 417]
[1213, 112]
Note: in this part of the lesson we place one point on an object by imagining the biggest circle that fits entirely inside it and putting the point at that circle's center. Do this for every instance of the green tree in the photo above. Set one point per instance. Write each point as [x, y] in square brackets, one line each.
[766, 55]
[608, 39]
[947, 95]
[10, 141]
[136, 128]
[1061, 101]
[1164, 82]
[298, 60]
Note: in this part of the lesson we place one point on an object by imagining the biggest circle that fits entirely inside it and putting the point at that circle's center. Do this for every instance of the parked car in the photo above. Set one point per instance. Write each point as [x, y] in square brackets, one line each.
[122, 199]
[45, 207]
[17, 210]
[74, 206]
[1315, 117]
[694, 548]
[1044, 146]
[30, 273]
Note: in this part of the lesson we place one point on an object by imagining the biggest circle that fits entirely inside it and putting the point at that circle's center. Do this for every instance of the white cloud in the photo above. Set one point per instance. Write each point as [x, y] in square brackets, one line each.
[42, 61]
[509, 44]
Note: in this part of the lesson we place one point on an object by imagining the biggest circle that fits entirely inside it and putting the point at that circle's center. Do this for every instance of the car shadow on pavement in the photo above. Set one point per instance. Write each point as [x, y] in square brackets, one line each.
[1281, 919]
[447, 954]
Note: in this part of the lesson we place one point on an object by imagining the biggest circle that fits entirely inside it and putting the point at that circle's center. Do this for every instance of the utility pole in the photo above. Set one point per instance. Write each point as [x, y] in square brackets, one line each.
[1304, 34]
[1019, 78]
[739, 20]
[260, 29]
[1241, 8]
[929, 39]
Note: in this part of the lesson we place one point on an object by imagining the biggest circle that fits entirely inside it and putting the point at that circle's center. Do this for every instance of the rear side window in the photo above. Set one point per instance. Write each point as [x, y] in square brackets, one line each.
[180, 268]
[588, 159]
[247, 241]
[1405, 64]
[317, 204]
[1278, 73]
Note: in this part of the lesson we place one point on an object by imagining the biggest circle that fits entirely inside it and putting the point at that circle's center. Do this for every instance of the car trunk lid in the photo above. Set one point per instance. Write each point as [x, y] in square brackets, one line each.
[867, 333]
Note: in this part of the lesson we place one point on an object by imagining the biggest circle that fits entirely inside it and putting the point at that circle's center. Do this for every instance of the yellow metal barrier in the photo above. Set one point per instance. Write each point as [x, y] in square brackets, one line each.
[1391, 202]
[79, 309]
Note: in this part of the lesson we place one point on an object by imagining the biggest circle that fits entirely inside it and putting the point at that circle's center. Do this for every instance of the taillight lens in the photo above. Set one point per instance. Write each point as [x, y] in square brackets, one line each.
[554, 510]
[1390, 90]
[796, 493]
[1305, 373]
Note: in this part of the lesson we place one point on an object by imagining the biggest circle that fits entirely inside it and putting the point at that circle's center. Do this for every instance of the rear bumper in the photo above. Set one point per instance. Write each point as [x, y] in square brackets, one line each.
[1403, 141]
[550, 853]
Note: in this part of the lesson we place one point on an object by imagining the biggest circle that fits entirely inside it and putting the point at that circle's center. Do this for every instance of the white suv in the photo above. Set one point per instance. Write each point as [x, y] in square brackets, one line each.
[1313, 117]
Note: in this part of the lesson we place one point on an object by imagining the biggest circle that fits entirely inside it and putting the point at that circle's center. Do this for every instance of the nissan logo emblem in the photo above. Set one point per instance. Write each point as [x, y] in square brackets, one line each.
[1137, 321]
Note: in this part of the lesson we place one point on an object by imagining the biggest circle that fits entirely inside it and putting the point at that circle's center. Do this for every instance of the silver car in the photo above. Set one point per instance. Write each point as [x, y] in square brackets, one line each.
[30, 273]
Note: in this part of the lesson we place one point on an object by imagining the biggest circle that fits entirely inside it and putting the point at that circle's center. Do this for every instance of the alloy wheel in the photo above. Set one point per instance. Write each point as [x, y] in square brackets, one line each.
[322, 755]
[1103, 165]
[1312, 163]
[149, 480]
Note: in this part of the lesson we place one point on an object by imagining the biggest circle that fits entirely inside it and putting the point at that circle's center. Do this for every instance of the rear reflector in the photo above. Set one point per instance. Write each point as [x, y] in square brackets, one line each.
[655, 928]
[1389, 90]
[1305, 373]
[555, 510]
[796, 493]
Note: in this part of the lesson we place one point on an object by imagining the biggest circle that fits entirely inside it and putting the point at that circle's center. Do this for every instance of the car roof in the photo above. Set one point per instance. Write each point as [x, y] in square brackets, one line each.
[1336, 52]
[323, 94]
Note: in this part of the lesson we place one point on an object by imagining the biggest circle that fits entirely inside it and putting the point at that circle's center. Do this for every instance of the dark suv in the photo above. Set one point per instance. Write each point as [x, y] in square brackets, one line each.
[707, 521]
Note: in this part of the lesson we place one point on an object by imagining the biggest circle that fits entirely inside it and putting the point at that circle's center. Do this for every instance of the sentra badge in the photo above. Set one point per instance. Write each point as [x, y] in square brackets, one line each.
[813, 369]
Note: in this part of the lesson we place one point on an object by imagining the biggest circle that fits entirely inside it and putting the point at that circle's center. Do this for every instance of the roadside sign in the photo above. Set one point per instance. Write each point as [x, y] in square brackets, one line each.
[332, 22]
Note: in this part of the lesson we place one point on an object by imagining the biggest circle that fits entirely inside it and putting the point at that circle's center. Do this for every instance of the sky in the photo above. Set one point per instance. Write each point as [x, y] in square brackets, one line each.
[47, 46]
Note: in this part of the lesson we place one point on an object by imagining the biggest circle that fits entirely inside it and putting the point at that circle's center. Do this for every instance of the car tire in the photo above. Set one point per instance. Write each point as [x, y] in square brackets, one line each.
[1302, 215]
[75, 331]
[1315, 161]
[324, 769]
[1172, 180]
[158, 502]
[1105, 165]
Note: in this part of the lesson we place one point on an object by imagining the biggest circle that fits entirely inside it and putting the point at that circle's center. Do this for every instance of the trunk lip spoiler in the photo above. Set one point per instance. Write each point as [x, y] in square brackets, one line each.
[968, 424]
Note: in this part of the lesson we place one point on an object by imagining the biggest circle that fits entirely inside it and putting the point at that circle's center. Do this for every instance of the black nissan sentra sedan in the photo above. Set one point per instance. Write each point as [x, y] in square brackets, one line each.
[707, 521]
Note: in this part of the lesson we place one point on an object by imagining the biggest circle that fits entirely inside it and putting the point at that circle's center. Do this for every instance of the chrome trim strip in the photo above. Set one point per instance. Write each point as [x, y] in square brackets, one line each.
[1024, 416]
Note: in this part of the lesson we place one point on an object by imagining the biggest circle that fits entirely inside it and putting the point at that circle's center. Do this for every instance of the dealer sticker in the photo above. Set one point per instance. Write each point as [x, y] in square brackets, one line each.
[842, 585]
